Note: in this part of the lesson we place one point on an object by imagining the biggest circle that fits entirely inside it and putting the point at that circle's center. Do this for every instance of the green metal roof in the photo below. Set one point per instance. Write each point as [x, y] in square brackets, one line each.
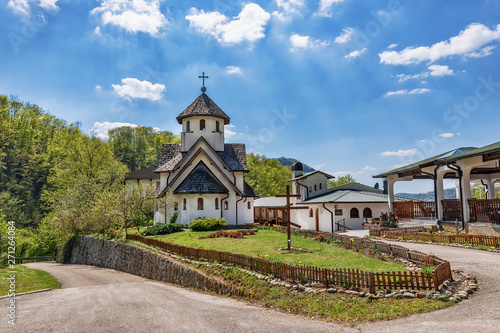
[350, 196]
[449, 156]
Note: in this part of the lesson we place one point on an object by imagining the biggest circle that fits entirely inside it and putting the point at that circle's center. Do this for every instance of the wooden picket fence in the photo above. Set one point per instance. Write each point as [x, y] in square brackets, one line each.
[348, 278]
[438, 238]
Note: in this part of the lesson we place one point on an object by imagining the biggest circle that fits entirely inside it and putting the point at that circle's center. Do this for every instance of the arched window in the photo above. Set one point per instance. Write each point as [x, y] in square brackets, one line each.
[184, 204]
[217, 126]
[354, 213]
[249, 206]
[176, 206]
[367, 213]
[202, 125]
[226, 206]
[216, 203]
[200, 203]
[311, 212]
[188, 126]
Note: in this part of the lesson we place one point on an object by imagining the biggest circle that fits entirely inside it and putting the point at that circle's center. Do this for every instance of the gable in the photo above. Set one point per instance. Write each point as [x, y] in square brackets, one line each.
[201, 180]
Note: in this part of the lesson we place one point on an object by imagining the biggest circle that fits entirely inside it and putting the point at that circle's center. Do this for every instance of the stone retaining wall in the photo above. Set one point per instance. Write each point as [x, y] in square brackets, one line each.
[133, 260]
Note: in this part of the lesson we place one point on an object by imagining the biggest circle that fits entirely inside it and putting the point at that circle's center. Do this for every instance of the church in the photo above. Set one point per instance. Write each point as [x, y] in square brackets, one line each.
[204, 174]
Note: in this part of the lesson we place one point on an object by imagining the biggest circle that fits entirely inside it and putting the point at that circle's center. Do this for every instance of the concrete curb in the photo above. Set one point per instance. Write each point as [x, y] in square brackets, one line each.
[26, 293]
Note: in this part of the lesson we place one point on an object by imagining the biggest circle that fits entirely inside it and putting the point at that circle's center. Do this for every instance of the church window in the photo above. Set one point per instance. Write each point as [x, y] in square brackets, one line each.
[200, 203]
[188, 126]
[184, 204]
[354, 213]
[226, 206]
[217, 126]
[315, 187]
[176, 206]
[310, 189]
[320, 186]
[249, 205]
[367, 213]
[311, 212]
[216, 203]
[202, 125]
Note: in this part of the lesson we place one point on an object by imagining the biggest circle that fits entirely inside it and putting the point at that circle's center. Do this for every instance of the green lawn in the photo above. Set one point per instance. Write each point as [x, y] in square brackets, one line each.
[266, 242]
[27, 279]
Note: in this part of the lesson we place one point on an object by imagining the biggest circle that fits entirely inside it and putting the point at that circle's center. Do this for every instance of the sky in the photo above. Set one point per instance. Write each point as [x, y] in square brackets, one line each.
[345, 86]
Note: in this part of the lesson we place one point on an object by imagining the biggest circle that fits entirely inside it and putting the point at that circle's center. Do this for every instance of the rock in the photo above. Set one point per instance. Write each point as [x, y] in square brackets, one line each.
[388, 296]
[332, 290]
[420, 295]
[448, 293]
[301, 287]
[288, 285]
[408, 295]
[371, 296]
[351, 292]
[397, 295]
[309, 290]
[317, 285]
[295, 287]
[362, 294]
[469, 291]
[307, 285]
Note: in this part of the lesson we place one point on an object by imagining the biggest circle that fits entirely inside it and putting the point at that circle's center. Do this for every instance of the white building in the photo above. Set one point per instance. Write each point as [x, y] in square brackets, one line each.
[329, 209]
[203, 173]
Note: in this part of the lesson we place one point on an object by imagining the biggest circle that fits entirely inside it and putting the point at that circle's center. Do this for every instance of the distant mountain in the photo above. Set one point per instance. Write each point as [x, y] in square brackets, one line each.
[289, 161]
[449, 193]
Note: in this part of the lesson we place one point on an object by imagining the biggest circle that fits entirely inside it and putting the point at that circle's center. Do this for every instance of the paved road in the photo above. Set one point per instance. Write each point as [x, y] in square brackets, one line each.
[101, 300]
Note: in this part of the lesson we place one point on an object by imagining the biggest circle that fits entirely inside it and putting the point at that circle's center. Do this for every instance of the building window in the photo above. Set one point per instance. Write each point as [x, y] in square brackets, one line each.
[202, 125]
[249, 206]
[226, 206]
[188, 126]
[216, 203]
[338, 212]
[315, 187]
[200, 203]
[176, 206]
[310, 189]
[217, 126]
[320, 186]
[367, 213]
[298, 189]
[184, 204]
[311, 214]
[354, 213]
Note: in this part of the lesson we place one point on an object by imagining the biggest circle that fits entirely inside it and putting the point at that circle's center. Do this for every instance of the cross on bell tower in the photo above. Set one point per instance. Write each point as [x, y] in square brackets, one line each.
[203, 88]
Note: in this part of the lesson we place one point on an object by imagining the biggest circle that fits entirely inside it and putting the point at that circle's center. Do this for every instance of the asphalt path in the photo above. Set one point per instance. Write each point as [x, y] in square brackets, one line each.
[94, 299]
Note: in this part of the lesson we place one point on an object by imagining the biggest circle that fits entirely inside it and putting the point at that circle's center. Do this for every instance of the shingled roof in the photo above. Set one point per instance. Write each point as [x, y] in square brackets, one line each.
[203, 106]
[201, 180]
[143, 174]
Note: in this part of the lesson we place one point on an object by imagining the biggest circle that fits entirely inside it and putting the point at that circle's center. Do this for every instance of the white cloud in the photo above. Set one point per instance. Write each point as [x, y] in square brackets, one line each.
[392, 46]
[366, 168]
[233, 70]
[22, 7]
[438, 70]
[416, 91]
[100, 130]
[400, 153]
[318, 166]
[447, 135]
[345, 36]
[341, 173]
[484, 52]
[468, 41]
[132, 15]
[288, 8]
[134, 88]
[229, 133]
[305, 42]
[406, 77]
[98, 87]
[97, 31]
[355, 54]
[325, 6]
[249, 25]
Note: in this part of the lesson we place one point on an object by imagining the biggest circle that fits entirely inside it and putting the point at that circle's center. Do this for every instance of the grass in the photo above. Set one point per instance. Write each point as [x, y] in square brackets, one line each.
[330, 307]
[264, 244]
[27, 279]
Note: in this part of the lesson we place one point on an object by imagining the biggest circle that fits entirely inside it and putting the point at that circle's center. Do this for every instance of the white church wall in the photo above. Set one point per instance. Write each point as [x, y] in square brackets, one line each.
[213, 137]
[316, 184]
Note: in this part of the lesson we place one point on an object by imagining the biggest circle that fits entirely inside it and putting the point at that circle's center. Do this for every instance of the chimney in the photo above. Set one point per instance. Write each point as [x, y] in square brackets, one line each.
[297, 170]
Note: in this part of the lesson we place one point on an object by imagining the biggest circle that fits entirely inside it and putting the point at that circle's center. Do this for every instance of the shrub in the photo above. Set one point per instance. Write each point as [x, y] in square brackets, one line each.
[230, 234]
[173, 219]
[208, 224]
[163, 229]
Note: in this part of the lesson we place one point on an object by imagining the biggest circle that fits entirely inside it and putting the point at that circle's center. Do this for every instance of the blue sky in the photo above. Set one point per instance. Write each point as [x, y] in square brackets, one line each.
[346, 86]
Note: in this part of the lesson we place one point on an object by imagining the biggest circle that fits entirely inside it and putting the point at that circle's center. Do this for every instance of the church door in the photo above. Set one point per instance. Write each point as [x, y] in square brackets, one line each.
[317, 219]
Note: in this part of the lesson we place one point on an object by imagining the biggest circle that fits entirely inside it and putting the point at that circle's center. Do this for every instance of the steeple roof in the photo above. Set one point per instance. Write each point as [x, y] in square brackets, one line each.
[203, 106]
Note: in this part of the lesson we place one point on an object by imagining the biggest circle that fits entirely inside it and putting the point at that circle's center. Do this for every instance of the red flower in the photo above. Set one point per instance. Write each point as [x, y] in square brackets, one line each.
[258, 255]
[201, 247]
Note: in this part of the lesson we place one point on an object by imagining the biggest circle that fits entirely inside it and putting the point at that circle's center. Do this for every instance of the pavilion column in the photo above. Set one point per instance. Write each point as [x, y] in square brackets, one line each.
[390, 192]
[491, 188]
[440, 193]
[466, 192]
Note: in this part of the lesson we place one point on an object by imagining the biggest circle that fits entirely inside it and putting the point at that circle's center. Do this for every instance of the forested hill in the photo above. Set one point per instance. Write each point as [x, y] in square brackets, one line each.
[449, 193]
[42, 155]
[285, 161]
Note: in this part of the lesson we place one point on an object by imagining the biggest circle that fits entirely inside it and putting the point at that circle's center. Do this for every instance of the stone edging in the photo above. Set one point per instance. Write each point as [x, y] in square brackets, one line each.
[471, 247]
[27, 293]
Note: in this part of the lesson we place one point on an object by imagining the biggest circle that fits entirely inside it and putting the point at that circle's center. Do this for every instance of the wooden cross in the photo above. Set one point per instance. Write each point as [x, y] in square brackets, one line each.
[203, 77]
[288, 208]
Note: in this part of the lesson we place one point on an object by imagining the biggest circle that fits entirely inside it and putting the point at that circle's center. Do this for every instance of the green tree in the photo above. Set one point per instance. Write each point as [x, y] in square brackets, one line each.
[268, 177]
[342, 180]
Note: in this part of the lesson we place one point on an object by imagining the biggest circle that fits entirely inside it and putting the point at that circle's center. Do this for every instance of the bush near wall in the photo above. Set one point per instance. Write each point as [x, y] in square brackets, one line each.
[208, 224]
[163, 229]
